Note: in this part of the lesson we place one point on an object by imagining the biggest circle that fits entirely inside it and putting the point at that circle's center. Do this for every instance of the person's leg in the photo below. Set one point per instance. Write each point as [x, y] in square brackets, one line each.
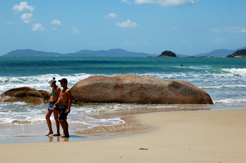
[63, 120]
[48, 114]
[66, 128]
[56, 114]
[64, 125]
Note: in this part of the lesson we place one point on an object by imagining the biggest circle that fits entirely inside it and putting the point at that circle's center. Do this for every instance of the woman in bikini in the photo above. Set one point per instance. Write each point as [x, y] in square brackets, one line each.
[54, 96]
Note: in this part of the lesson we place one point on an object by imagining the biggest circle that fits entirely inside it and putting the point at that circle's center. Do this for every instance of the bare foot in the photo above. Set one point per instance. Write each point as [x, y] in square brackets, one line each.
[65, 136]
[57, 134]
[49, 133]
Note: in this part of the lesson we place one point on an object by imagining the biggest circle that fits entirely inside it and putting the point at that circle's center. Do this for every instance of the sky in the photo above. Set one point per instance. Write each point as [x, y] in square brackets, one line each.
[186, 27]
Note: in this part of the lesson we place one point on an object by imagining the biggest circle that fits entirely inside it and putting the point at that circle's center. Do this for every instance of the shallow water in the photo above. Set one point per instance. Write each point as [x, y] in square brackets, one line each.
[223, 78]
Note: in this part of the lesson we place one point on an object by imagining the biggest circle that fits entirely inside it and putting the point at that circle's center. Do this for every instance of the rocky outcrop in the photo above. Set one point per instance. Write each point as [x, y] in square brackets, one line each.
[129, 88]
[25, 94]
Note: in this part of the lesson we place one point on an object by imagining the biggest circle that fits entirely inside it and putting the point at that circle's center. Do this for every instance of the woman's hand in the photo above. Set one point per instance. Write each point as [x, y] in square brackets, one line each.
[54, 107]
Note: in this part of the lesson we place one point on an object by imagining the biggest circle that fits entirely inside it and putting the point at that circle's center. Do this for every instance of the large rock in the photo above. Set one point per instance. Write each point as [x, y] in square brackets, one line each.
[25, 94]
[129, 88]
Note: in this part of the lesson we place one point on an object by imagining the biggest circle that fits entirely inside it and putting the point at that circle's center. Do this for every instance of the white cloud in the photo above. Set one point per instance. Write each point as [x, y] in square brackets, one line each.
[228, 30]
[111, 15]
[127, 24]
[165, 3]
[126, 1]
[23, 7]
[175, 28]
[244, 15]
[56, 22]
[37, 27]
[27, 18]
[75, 30]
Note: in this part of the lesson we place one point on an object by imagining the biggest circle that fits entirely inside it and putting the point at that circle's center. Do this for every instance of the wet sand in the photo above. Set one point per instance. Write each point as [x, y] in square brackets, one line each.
[187, 137]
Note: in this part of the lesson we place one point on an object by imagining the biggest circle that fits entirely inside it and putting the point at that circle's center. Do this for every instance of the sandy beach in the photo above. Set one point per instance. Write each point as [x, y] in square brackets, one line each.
[187, 137]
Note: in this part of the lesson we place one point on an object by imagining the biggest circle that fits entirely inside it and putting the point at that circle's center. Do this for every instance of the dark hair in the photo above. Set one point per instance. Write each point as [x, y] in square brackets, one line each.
[54, 81]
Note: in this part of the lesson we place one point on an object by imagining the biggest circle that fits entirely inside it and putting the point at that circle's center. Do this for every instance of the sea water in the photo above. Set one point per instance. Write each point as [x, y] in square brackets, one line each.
[224, 79]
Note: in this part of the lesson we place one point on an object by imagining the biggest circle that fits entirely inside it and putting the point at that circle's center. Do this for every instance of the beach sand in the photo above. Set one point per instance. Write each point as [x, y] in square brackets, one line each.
[178, 137]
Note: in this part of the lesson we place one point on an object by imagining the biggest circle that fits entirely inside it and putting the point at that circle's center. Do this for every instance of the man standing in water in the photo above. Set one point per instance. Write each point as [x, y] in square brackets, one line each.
[65, 102]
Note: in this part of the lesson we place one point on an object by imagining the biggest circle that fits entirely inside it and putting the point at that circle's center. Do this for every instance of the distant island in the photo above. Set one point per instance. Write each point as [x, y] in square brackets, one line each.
[221, 53]
[224, 53]
[81, 53]
[167, 54]
[238, 54]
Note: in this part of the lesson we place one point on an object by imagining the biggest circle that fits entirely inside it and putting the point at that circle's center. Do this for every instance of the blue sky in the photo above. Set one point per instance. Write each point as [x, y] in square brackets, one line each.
[183, 26]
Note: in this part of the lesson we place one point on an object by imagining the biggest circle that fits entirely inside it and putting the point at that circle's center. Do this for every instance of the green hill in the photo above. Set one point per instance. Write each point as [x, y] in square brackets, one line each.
[238, 54]
[167, 54]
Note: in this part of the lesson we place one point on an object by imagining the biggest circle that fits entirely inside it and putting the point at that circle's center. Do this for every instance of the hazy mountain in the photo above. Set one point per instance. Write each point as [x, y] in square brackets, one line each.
[81, 53]
[109, 53]
[29, 52]
[219, 52]
[112, 53]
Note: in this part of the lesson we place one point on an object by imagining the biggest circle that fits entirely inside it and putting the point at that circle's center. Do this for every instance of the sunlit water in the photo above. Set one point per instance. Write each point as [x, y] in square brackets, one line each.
[223, 78]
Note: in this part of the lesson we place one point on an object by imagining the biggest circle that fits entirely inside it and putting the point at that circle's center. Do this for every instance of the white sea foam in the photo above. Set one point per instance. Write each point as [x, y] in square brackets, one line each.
[215, 75]
[37, 82]
[230, 100]
[40, 81]
[236, 71]
[232, 79]
[222, 86]
[94, 122]
[204, 67]
[19, 103]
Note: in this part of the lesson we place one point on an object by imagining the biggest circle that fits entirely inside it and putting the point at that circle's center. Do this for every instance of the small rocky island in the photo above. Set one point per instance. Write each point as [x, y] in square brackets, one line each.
[167, 54]
[238, 54]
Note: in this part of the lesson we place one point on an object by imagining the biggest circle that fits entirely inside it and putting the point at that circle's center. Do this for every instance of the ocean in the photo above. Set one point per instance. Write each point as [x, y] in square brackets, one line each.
[224, 79]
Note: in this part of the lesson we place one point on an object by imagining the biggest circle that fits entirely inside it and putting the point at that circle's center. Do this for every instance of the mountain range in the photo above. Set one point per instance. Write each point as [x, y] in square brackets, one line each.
[81, 53]
[219, 52]
[112, 53]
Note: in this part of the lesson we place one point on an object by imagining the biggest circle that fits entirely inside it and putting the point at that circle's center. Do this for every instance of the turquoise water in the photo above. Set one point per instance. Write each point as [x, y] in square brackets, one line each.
[28, 66]
[223, 78]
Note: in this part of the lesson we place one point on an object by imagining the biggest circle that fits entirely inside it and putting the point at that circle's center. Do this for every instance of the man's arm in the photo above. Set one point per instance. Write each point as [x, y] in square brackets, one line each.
[69, 100]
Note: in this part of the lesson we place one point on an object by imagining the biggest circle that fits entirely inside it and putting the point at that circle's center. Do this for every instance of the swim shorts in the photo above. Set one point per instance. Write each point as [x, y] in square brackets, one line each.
[62, 112]
[52, 103]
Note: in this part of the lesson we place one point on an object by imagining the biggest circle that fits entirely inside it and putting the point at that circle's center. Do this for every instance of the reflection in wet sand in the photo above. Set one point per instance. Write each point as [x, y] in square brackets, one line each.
[51, 138]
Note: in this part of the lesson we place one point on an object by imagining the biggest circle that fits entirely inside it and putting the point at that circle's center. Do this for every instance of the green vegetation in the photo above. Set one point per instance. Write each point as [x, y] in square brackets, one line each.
[167, 54]
[238, 54]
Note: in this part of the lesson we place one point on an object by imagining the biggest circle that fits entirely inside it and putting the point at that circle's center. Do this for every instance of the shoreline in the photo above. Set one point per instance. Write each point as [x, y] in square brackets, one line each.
[200, 136]
[34, 132]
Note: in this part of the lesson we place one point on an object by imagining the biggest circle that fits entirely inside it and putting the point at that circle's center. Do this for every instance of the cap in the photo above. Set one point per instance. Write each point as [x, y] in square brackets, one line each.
[51, 81]
[63, 80]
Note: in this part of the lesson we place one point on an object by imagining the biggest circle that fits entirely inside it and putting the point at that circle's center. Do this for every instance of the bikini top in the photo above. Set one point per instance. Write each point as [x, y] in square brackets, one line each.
[53, 93]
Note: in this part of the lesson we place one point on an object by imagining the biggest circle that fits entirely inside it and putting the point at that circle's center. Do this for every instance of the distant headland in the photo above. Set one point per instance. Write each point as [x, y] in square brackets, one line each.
[222, 53]
[238, 54]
